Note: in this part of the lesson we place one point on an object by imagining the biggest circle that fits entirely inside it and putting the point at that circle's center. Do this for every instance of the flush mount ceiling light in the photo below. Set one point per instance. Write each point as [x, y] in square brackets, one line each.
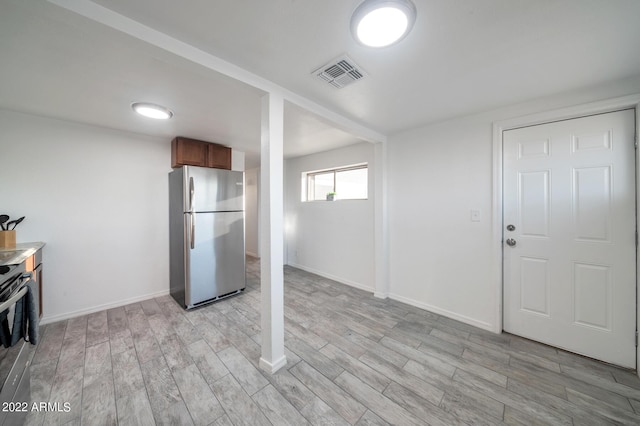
[152, 110]
[380, 23]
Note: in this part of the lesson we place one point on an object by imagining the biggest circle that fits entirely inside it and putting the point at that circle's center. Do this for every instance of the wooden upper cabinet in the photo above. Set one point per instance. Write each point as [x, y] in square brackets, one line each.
[192, 152]
[218, 156]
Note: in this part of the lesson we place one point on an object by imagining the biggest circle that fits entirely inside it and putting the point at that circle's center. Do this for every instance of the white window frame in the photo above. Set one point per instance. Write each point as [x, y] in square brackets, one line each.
[308, 180]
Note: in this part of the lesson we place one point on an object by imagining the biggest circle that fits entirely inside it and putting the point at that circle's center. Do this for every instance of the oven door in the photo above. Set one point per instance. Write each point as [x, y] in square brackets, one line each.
[15, 394]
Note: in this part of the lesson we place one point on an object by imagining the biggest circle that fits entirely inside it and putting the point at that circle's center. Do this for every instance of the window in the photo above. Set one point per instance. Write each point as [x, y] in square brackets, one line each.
[346, 183]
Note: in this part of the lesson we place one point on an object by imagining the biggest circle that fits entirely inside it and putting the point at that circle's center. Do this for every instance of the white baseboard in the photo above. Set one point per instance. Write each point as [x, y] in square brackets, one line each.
[453, 315]
[380, 295]
[334, 278]
[272, 367]
[60, 317]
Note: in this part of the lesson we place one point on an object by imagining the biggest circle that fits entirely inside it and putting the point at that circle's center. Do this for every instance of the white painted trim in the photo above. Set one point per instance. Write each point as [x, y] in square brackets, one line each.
[60, 317]
[449, 314]
[341, 280]
[607, 105]
[381, 221]
[156, 38]
[272, 368]
[272, 233]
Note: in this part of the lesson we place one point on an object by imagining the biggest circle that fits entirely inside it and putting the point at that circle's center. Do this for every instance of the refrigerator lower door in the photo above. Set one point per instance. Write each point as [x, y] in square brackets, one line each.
[216, 263]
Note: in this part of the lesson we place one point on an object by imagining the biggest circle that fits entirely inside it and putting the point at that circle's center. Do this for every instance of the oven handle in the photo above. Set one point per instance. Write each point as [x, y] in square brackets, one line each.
[13, 299]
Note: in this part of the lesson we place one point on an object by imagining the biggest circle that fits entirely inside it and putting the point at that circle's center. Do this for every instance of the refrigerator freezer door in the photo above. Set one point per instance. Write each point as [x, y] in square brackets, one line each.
[216, 264]
[213, 189]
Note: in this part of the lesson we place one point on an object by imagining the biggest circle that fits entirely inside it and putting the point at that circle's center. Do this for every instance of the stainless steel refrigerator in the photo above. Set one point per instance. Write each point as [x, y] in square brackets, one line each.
[206, 234]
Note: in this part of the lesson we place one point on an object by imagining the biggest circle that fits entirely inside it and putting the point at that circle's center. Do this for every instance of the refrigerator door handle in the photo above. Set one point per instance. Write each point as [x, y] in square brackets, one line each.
[192, 237]
[191, 194]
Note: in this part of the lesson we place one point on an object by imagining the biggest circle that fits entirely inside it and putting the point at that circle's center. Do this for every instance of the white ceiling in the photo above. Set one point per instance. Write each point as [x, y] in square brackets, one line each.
[462, 57]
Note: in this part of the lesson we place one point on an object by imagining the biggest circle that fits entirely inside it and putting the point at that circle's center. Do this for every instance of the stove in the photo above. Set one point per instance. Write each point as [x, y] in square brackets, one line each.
[15, 393]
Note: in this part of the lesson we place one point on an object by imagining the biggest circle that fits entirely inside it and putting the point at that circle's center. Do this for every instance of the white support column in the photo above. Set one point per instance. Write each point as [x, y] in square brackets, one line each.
[272, 233]
[381, 222]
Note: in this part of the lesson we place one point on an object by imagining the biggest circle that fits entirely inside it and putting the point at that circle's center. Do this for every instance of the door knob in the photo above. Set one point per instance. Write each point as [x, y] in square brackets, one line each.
[511, 242]
[511, 228]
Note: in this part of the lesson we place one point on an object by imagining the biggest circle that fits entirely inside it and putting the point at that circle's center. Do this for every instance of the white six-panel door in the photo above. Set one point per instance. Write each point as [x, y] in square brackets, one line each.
[569, 262]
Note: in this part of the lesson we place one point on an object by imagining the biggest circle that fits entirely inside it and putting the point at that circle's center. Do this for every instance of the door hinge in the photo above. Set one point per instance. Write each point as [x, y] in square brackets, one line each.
[636, 338]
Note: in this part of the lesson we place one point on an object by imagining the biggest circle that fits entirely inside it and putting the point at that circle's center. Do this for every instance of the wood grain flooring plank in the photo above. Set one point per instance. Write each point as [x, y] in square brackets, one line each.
[223, 421]
[356, 367]
[198, 397]
[67, 388]
[244, 372]
[314, 358]
[97, 328]
[121, 341]
[542, 413]
[599, 382]
[339, 400]
[210, 334]
[337, 340]
[597, 407]
[305, 335]
[207, 362]
[99, 403]
[466, 398]
[291, 388]
[237, 404]
[419, 407]
[510, 372]
[161, 388]
[579, 415]
[369, 418]
[127, 375]
[374, 401]
[466, 411]
[429, 360]
[175, 414]
[147, 346]
[134, 409]
[277, 409]
[117, 320]
[175, 353]
[318, 413]
[97, 362]
[50, 343]
[497, 355]
[76, 329]
[72, 355]
[425, 390]
[150, 307]
[569, 382]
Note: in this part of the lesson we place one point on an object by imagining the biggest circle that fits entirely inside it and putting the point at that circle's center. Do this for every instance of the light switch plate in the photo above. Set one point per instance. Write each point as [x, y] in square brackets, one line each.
[475, 215]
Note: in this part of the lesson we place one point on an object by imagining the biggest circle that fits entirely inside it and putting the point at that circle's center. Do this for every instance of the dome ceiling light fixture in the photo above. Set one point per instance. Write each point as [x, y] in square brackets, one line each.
[152, 110]
[380, 23]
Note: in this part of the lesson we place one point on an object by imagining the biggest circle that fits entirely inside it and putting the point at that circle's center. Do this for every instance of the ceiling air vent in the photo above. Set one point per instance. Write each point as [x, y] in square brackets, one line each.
[340, 72]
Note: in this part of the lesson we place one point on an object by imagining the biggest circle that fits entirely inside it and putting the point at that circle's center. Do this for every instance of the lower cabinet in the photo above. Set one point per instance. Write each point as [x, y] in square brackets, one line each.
[33, 264]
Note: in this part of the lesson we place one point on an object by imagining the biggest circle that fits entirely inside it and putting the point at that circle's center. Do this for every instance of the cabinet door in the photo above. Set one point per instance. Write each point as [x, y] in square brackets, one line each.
[189, 152]
[219, 156]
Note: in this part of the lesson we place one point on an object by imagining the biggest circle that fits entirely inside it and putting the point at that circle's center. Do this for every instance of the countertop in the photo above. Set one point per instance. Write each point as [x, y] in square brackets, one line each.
[19, 253]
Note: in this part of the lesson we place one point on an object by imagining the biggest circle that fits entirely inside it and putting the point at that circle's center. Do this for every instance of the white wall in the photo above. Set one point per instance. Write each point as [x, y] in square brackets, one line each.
[99, 199]
[333, 239]
[252, 216]
[439, 259]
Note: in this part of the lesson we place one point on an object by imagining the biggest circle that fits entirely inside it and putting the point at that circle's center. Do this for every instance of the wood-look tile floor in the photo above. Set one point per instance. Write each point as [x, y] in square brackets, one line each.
[352, 359]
